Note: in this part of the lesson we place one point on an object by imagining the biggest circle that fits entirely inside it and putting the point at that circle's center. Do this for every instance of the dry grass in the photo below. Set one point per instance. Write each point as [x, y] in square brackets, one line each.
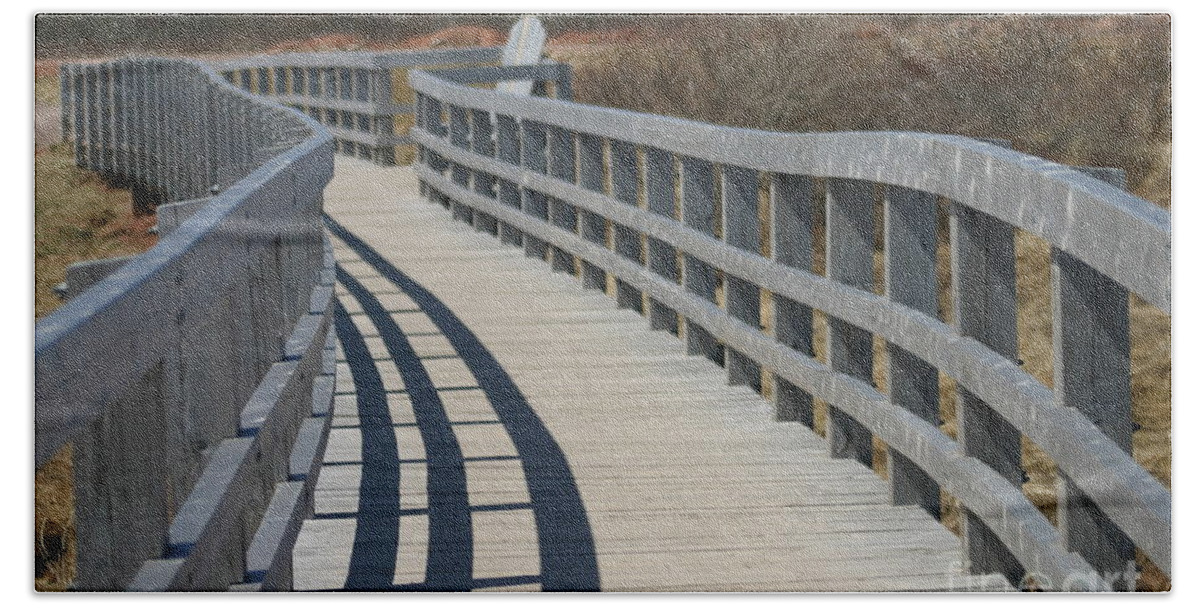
[1079, 90]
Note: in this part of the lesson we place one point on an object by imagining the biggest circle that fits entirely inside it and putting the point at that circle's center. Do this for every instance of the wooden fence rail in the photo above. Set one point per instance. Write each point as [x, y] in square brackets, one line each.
[675, 212]
[194, 380]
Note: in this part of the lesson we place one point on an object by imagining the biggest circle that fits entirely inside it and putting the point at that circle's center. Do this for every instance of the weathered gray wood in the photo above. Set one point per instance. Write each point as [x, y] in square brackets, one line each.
[1007, 511]
[739, 206]
[562, 213]
[623, 172]
[1022, 190]
[910, 278]
[994, 379]
[849, 259]
[508, 149]
[482, 143]
[121, 514]
[592, 227]
[1092, 374]
[698, 208]
[659, 180]
[984, 293]
[791, 245]
[460, 137]
[1143, 507]
[534, 203]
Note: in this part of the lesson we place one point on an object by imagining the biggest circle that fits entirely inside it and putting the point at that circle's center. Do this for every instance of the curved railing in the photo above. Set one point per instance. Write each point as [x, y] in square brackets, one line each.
[350, 92]
[676, 212]
[193, 382]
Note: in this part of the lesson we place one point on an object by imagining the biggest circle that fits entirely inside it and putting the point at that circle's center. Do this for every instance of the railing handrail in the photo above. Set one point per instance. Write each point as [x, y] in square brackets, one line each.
[1061, 205]
[195, 380]
[51, 433]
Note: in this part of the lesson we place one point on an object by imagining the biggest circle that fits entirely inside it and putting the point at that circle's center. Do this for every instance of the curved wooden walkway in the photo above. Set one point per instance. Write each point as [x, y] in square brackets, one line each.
[497, 427]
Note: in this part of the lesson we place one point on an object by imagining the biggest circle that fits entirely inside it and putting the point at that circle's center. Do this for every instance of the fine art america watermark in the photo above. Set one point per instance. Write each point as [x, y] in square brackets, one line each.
[1124, 580]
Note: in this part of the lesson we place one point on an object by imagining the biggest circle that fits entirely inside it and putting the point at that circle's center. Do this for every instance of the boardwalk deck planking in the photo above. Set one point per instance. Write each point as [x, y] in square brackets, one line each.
[687, 482]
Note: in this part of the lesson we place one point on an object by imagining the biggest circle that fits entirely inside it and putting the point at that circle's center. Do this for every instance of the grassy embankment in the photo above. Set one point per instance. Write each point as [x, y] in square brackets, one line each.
[1088, 91]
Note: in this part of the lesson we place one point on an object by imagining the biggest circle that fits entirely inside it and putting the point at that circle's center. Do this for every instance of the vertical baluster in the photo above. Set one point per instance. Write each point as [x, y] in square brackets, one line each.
[910, 279]
[659, 180]
[533, 158]
[508, 149]
[792, 245]
[362, 85]
[264, 81]
[850, 245]
[1092, 374]
[626, 241]
[91, 117]
[79, 113]
[104, 118]
[157, 122]
[120, 121]
[298, 82]
[137, 123]
[562, 213]
[485, 183]
[739, 205]
[699, 208]
[314, 82]
[983, 285]
[385, 153]
[66, 92]
[422, 157]
[460, 137]
[244, 79]
[592, 227]
[280, 74]
[344, 87]
[329, 84]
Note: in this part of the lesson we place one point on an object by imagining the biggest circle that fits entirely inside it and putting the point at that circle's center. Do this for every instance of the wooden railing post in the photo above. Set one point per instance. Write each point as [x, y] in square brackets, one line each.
[508, 149]
[983, 284]
[459, 174]
[699, 209]
[382, 123]
[592, 227]
[562, 213]
[850, 250]
[739, 205]
[1092, 374]
[660, 257]
[792, 245]
[484, 183]
[623, 170]
[533, 202]
[910, 278]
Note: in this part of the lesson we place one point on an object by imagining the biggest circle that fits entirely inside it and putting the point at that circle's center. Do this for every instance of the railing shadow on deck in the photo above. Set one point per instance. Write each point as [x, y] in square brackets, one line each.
[564, 536]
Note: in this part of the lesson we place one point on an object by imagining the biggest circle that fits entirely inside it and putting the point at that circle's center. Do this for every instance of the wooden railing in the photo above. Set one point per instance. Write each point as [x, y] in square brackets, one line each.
[194, 380]
[351, 93]
[695, 225]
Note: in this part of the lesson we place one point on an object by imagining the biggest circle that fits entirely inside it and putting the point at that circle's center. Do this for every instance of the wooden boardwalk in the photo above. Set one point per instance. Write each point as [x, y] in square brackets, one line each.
[497, 427]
